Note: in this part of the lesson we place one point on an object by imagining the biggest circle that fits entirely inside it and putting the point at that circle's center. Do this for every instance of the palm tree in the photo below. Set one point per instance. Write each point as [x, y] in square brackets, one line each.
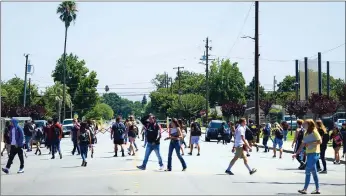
[67, 13]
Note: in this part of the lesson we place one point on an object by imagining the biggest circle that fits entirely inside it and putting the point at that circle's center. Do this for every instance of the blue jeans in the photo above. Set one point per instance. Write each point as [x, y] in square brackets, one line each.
[310, 168]
[75, 147]
[265, 142]
[84, 151]
[145, 141]
[174, 145]
[27, 142]
[285, 132]
[56, 147]
[152, 147]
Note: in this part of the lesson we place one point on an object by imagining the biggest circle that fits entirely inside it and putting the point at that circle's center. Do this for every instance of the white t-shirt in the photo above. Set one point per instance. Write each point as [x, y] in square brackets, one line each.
[240, 131]
[13, 139]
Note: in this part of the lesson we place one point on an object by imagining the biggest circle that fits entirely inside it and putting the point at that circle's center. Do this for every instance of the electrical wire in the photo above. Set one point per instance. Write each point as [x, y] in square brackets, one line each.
[241, 29]
[329, 50]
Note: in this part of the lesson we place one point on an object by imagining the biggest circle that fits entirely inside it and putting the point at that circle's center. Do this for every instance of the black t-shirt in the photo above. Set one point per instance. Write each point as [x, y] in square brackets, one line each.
[153, 133]
[279, 134]
[195, 129]
[300, 135]
[28, 130]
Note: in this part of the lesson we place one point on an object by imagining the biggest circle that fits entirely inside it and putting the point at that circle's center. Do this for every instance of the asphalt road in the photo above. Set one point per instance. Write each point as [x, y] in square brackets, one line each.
[106, 175]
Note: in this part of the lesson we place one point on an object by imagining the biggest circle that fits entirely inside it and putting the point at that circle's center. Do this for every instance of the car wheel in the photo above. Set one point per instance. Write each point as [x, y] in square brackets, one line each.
[207, 139]
[63, 135]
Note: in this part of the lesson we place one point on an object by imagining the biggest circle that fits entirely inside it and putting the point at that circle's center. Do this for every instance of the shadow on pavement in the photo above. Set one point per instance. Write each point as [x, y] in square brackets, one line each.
[289, 169]
[140, 160]
[69, 167]
[108, 157]
[302, 183]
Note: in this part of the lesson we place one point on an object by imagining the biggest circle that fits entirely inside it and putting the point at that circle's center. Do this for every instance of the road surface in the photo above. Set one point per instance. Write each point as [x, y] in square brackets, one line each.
[106, 175]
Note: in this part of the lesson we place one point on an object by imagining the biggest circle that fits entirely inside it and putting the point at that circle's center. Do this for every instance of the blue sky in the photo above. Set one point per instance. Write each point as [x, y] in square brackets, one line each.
[128, 43]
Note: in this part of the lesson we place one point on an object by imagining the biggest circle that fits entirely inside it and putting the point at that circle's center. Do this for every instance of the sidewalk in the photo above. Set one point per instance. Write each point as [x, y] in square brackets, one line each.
[287, 147]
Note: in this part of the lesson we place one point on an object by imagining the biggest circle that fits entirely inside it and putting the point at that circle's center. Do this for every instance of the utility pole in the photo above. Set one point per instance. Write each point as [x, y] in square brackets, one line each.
[171, 81]
[257, 112]
[179, 81]
[274, 89]
[29, 101]
[206, 78]
[25, 77]
[71, 110]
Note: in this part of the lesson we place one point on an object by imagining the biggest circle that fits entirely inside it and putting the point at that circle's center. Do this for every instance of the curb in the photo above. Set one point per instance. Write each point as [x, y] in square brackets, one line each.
[291, 151]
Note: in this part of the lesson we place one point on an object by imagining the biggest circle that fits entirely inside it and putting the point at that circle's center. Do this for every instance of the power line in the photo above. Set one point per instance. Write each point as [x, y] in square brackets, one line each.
[329, 50]
[241, 29]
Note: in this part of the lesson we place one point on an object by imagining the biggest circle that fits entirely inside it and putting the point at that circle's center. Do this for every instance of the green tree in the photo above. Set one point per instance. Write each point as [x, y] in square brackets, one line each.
[287, 84]
[159, 81]
[100, 111]
[121, 106]
[190, 82]
[161, 101]
[250, 91]
[189, 106]
[144, 100]
[12, 92]
[53, 97]
[226, 83]
[81, 83]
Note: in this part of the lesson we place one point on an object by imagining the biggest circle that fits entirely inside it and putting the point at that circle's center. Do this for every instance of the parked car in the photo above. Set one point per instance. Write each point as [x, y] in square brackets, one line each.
[67, 126]
[339, 123]
[212, 130]
[291, 120]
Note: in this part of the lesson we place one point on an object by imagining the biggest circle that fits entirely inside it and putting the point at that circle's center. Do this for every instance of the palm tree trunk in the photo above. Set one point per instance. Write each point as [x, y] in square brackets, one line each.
[64, 78]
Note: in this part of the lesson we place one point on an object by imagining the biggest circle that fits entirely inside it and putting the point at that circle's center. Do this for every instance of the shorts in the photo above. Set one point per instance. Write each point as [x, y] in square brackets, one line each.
[278, 142]
[119, 141]
[254, 140]
[194, 139]
[132, 139]
[239, 152]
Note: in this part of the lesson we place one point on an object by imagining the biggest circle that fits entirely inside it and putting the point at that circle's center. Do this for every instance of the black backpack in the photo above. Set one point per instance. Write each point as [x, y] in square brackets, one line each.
[279, 134]
[118, 130]
[198, 129]
[56, 132]
[39, 133]
[84, 137]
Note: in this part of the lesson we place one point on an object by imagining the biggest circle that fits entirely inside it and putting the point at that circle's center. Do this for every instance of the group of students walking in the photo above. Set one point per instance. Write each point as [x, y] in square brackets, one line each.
[123, 132]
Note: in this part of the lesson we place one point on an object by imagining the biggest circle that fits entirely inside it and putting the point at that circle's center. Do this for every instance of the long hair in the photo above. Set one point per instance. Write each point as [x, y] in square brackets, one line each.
[83, 126]
[176, 123]
[181, 123]
[311, 126]
[320, 125]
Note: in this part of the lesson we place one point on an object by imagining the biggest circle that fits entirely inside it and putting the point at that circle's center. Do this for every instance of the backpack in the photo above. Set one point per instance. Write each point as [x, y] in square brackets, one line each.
[39, 133]
[92, 132]
[56, 132]
[338, 139]
[118, 130]
[266, 131]
[279, 134]
[84, 137]
[198, 129]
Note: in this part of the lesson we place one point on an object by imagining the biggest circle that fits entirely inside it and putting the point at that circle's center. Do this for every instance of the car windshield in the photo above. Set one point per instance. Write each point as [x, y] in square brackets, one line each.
[66, 122]
[288, 118]
[342, 121]
[216, 125]
[39, 124]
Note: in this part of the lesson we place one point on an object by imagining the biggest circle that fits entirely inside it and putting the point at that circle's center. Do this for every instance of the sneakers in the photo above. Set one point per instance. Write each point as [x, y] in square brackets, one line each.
[229, 172]
[161, 168]
[323, 172]
[20, 171]
[184, 169]
[198, 154]
[141, 167]
[5, 170]
[253, 171]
